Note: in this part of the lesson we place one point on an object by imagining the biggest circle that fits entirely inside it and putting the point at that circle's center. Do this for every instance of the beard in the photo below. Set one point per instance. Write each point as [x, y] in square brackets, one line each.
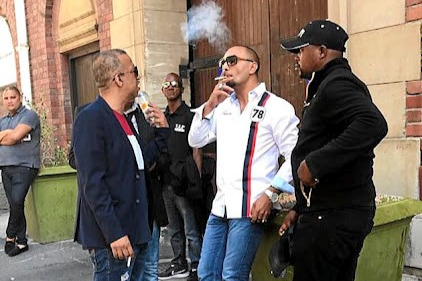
[231, 83]
[305, 75]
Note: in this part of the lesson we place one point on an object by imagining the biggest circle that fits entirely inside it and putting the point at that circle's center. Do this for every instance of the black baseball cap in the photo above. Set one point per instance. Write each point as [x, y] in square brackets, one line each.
[279, 256]
[318, 32]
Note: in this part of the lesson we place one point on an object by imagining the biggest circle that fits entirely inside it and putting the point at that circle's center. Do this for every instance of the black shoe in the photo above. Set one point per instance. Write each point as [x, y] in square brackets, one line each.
[8, 246]
[193, 276]
[16, 250]
[174, 271]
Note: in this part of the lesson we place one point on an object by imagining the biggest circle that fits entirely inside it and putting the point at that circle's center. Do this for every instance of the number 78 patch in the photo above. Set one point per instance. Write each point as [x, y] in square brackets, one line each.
[258, 113]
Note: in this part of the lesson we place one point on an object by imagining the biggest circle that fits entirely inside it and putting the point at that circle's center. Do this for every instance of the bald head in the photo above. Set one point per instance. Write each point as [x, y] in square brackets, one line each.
[173, 77]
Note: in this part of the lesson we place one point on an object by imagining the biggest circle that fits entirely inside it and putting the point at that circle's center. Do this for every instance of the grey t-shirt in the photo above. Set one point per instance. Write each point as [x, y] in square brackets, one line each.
[27, 152]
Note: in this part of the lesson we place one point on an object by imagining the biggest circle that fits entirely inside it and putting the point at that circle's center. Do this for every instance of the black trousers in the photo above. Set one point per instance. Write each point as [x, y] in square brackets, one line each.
[326, 245]
[16, 182]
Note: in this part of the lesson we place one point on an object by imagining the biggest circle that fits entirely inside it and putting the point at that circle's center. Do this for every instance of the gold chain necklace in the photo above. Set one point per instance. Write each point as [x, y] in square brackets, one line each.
[307, 197]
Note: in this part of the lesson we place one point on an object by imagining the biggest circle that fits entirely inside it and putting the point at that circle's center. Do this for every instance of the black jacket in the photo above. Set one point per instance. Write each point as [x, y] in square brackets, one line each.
[340, 128]
[147, 137]
[186, 180]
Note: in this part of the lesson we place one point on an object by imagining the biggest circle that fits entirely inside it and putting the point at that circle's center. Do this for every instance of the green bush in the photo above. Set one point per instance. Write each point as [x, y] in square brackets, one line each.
[52, 154]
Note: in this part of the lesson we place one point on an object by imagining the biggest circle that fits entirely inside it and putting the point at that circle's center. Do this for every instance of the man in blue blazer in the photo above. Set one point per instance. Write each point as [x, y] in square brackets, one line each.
[112, 207]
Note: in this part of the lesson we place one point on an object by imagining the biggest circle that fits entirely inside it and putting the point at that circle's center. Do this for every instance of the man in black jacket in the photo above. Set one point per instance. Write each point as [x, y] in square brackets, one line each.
[333, 158]
[146, 134]
[180, 209]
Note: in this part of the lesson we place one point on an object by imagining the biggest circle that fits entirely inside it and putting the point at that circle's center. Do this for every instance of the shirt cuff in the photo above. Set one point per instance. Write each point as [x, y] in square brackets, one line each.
[281, 185]
[199, 110]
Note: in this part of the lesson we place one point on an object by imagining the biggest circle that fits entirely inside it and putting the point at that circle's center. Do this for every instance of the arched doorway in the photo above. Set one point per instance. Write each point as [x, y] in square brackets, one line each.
[78, 40]
[7, 56]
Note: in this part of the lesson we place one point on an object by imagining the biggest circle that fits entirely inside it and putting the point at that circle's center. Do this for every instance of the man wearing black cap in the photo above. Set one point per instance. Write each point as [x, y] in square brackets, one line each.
[333, 158]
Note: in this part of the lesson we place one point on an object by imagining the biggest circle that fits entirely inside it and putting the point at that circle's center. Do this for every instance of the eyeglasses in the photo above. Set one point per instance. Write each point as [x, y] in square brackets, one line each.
[167, 84]
[231, 60]
[134, 71]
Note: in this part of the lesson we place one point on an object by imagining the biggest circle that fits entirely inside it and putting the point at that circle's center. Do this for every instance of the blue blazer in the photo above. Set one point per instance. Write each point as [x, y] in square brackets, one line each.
[112, 197]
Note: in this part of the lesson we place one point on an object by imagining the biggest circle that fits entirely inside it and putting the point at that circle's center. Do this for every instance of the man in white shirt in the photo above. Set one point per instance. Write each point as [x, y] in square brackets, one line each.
[253, 128]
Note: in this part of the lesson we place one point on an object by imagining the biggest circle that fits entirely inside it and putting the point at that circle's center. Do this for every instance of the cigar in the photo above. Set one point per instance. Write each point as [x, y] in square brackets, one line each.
[220, 78]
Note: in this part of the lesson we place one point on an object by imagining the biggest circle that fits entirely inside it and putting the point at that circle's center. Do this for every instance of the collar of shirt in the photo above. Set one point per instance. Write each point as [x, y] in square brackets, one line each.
[179, 111]
[131, 109]
[17, 111]
[255, 93]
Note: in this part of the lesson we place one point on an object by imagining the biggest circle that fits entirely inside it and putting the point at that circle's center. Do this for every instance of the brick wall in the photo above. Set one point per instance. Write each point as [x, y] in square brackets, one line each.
[49, 68]
[414, 88]
[413, 10]
[46, 66]
[105, 15]
[414, 109]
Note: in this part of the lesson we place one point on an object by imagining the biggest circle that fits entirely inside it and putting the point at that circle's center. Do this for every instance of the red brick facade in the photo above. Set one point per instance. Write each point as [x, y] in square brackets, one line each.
[49, 69]
[105, 15]
[413, 10]
[413, 88]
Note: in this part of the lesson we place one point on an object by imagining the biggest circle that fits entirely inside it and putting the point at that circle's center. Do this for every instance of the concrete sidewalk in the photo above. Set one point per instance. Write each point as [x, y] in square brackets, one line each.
[64, 261]
[55, 261]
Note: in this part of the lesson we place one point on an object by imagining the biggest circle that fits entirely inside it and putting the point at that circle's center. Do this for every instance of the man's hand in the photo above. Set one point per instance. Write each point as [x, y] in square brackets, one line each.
[219, 94]
[13, 136]
[289, 219]
[155, 113]
[261, 209]
[122, 249]
[305, 175]
[4, 133]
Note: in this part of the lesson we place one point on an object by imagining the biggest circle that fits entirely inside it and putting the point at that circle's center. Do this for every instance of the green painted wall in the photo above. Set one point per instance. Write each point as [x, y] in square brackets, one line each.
[51, 204]
[382, 256]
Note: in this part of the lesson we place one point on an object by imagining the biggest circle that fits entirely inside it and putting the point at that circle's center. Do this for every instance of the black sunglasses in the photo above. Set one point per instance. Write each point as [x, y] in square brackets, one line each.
[134, 71]
[167, 84]
[231, 60]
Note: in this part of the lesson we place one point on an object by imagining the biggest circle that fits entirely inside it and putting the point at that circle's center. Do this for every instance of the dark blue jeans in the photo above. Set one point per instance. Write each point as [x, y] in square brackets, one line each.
[16, 182]
[107, 268]
[182, 225]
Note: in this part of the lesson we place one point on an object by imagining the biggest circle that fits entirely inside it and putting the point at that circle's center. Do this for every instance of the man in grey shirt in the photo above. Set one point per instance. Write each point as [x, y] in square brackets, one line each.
[19, 162]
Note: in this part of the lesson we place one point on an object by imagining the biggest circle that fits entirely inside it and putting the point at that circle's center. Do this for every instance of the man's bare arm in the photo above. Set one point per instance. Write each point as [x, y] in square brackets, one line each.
[14, 136]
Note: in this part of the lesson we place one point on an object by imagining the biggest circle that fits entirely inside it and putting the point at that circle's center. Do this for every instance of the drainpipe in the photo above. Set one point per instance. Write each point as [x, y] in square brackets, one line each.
[23, 50]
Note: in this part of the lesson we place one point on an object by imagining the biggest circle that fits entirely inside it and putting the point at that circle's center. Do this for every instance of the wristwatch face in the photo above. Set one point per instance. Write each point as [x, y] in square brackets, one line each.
[274, 197]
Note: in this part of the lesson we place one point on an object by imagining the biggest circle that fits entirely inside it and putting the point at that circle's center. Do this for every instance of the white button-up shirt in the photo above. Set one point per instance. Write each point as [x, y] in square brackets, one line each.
[249, 144]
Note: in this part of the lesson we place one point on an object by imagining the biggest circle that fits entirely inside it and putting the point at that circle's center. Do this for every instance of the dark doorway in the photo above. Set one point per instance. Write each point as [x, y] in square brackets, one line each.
[83, 88]
[260, 24]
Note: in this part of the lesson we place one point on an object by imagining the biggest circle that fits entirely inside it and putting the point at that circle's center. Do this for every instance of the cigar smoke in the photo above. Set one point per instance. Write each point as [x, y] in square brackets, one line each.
[206, 22]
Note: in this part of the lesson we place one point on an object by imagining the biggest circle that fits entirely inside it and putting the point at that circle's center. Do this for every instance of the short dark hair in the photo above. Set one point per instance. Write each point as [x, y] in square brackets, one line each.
[12, 88]
[254, 56]
[105, 66]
